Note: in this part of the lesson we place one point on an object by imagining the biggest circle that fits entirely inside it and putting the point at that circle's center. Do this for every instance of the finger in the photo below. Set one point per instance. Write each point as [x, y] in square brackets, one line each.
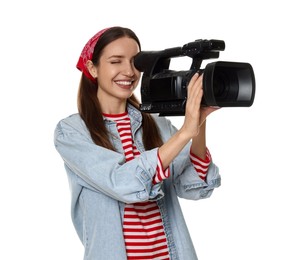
[199, 89]
[194, 102]
[195, 87]
[191, 84]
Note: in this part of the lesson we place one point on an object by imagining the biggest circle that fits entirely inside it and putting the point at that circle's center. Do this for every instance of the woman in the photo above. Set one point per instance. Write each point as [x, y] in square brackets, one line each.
[126, 168]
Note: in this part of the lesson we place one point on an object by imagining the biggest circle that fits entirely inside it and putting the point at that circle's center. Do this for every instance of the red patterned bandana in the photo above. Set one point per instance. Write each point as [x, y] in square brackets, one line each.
[87, 54]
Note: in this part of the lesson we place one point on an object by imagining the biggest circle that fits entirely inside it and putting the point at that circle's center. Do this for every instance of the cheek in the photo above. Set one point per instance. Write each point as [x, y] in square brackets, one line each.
[105, 74]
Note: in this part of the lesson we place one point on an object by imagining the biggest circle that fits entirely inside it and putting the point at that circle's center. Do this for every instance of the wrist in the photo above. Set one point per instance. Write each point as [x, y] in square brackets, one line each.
[188, 134]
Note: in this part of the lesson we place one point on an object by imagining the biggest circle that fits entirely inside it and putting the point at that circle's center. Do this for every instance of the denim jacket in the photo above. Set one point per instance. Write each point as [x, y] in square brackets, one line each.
[101, 183]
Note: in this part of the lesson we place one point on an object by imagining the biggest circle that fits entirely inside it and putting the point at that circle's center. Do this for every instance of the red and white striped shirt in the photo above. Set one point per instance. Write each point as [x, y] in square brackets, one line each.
[142, 225]
[200, 165]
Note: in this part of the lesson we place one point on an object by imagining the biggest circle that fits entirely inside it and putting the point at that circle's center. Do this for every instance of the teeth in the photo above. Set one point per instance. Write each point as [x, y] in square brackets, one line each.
[126, 83]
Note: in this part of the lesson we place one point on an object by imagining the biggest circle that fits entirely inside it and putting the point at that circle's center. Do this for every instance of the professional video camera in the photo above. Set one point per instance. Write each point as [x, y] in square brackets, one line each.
[164, 91]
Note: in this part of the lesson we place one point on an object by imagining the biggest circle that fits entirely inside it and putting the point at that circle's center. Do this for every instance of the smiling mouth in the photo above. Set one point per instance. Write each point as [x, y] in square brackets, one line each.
[125, 84]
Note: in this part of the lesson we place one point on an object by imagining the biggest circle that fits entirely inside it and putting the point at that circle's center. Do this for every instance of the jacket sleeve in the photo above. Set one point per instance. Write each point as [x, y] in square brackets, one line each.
[187, 182]
[104, 170]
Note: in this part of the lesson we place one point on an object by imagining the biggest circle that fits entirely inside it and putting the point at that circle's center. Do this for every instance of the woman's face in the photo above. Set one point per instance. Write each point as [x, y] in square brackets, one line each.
[116, 75]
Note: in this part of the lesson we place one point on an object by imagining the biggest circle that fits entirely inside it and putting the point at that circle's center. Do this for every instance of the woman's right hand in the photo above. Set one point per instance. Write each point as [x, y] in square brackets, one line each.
[193, 118]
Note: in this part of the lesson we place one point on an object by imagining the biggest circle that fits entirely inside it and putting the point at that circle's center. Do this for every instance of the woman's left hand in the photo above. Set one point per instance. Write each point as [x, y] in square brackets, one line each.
[205, 111]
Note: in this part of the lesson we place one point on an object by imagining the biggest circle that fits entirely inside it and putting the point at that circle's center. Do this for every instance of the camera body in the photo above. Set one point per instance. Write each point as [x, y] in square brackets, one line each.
[164, 91]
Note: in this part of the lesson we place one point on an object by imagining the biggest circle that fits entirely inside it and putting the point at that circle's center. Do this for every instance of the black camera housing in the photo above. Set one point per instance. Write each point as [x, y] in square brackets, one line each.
[164, 91]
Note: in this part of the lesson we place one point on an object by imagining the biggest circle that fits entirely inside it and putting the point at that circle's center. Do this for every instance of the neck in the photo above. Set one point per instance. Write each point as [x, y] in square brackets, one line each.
[113, 107]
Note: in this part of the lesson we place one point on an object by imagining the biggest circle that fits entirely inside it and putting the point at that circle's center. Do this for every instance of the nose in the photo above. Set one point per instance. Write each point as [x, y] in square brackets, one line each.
[129, 69]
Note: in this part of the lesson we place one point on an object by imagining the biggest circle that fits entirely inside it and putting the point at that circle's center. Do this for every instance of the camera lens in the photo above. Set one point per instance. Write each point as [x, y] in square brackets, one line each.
[228, 84]
[220, 86]
[225, 85]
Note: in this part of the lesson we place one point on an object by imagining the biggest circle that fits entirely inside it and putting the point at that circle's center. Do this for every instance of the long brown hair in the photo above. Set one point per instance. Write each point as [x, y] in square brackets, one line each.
[89, 106]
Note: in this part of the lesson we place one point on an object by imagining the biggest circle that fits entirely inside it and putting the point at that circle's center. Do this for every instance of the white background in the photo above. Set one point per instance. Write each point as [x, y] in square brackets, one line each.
[40, 44]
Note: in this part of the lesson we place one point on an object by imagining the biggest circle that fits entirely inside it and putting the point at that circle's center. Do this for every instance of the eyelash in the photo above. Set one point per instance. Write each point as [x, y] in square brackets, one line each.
[119, 61]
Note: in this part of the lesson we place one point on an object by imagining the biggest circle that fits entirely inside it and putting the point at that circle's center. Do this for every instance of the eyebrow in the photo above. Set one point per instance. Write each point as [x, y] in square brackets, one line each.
[115, 56]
